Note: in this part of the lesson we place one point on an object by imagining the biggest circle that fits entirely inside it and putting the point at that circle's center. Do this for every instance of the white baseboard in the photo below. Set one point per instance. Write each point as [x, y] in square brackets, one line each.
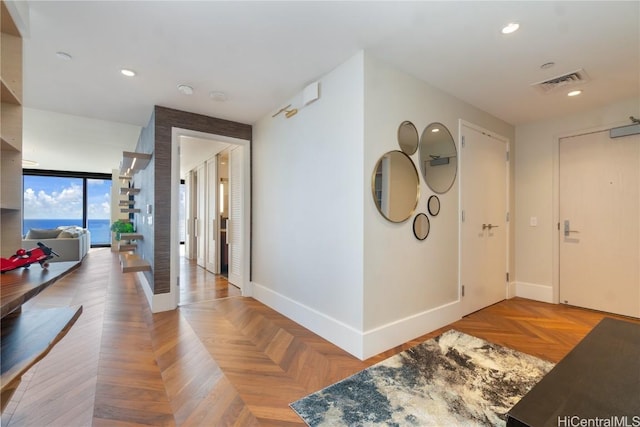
[395, 333]
[157, 302]
[333, 330]
[511, 290]
[534, 291]
[360, 344]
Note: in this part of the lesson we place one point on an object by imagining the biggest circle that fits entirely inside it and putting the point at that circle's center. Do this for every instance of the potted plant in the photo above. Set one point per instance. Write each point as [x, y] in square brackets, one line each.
[121, 226]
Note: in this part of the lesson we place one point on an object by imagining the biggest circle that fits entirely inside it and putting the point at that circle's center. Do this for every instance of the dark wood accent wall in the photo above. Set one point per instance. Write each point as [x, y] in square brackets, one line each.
[163, 121]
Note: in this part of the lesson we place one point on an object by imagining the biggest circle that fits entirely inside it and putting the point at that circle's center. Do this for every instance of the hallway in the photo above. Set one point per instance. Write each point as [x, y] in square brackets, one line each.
[198, 285]
[226, 362]
[230, 361]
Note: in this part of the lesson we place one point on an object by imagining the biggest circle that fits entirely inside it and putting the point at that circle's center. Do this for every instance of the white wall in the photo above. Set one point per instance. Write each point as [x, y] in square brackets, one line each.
[57, 141]
[322, 253]
[307, 209]
[411, 286]
[536, 163]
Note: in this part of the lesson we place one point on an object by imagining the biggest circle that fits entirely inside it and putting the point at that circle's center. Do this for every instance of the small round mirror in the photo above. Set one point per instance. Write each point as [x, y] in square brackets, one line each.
[433, 205]
[395, 186]
[408, 137]
[438, 158]
[421, 226]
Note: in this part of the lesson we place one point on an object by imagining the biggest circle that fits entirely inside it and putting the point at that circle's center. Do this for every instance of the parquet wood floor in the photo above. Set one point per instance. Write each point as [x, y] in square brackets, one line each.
[229, 361]
[194, 280]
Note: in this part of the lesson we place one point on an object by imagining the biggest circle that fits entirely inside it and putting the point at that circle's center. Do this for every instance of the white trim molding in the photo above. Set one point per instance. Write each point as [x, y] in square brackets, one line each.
[157, 302]
[400, 331]
[535, 291]
[360, 344]
[511, 290]
[344, 336]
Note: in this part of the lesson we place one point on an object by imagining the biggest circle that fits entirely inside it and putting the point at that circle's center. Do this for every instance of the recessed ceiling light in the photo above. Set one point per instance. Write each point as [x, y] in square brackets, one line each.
[574, 93]
[185, 89]
[64, 55]
[127, 72]
[547, 65]
[218, 96]
[510, 28]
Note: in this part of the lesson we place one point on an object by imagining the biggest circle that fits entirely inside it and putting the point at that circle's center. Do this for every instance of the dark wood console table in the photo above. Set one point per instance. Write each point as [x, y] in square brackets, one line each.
[598, 379]
[28, 336]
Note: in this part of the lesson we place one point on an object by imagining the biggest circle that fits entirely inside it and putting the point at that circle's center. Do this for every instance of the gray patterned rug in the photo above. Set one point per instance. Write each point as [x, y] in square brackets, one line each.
[452, 380]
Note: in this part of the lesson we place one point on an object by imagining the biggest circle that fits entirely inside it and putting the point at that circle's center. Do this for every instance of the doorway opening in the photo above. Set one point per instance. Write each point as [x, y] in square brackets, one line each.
[210, 258]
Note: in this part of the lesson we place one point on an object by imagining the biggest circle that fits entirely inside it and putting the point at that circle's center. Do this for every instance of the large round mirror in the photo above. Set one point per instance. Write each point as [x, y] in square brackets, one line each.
[395, 186]
[408, 137]
[438, 158]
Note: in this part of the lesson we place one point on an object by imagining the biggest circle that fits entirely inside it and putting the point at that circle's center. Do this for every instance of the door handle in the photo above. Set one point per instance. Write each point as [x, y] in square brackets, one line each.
[567, 228]
[489, 226]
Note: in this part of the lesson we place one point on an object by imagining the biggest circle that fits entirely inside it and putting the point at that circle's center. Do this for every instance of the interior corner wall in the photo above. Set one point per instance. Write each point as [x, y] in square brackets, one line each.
[410, 286]
[536, 192]
[307, 209]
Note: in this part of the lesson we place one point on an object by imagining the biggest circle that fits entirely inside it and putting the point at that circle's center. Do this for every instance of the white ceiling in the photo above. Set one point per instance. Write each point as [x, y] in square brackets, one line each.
[194, 151]
[263, 53]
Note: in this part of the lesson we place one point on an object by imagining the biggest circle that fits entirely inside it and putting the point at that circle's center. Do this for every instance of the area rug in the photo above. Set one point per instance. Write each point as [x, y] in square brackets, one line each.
[451, 380]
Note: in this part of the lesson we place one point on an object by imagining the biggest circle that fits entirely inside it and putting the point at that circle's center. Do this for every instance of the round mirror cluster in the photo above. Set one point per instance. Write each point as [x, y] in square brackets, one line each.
[438, 158]
[408, 138]
[396, 184]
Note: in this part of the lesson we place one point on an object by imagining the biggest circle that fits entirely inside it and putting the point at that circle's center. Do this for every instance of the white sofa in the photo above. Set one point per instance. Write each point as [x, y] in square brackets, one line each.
[71, 243]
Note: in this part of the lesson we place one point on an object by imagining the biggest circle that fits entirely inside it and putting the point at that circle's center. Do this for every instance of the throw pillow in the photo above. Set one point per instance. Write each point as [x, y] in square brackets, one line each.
[67, 235]
[42, 233]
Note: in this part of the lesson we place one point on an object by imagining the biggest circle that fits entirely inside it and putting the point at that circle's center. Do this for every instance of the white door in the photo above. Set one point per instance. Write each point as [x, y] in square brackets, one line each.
[484, 172]
[201, 215]
[236, 215]
[211, 225]
[599, 216]
[189, 240]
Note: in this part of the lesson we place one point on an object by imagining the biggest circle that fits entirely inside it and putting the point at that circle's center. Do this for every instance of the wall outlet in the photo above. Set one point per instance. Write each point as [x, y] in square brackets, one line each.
[533, 221]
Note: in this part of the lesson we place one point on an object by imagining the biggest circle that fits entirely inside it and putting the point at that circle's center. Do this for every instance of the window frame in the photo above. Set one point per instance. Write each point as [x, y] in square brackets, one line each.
[70, 174]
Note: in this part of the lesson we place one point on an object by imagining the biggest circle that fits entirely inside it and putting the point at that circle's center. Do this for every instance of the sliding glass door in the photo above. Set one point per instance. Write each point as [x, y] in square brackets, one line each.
[52, 199]
[99, 210]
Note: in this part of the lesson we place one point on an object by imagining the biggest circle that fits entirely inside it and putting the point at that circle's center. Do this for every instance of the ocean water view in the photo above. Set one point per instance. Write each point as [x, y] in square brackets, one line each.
[100, 228]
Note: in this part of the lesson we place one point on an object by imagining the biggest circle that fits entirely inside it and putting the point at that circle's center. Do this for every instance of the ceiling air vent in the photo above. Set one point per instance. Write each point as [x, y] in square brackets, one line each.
[562, 82]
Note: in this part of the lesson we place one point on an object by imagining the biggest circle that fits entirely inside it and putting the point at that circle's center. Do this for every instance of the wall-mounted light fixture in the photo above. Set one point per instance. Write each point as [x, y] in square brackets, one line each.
[310, 94]
[288, 111]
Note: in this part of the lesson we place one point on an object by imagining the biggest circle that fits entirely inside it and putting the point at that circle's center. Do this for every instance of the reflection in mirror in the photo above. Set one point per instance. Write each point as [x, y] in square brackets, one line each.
[438, 158]
[408, 137]
[421, 226]
[395, 186]
[433, 205]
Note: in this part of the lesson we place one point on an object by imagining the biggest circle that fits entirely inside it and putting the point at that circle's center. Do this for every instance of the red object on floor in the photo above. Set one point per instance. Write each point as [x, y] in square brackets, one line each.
[24, 258]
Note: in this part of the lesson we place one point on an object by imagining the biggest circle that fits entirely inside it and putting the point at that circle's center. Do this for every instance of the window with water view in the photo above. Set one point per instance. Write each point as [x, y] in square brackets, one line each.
[54, 201]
